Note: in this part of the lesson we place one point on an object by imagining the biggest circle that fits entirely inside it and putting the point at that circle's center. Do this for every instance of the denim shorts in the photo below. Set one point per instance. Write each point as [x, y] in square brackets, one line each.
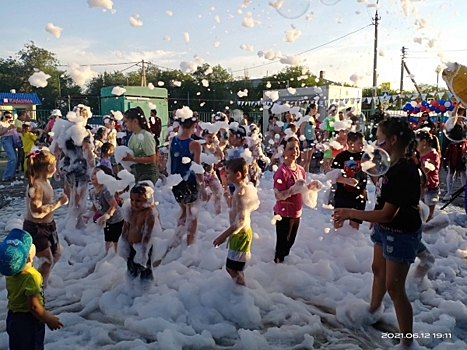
[398, 247]
[431, 196]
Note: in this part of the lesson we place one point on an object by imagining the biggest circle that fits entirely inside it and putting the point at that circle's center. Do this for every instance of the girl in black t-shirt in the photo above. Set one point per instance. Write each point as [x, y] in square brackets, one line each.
[397, 231]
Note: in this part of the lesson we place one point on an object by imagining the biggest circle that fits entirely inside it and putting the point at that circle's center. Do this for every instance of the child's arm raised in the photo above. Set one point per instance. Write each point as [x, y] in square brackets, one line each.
[40, 313]
[40, 210]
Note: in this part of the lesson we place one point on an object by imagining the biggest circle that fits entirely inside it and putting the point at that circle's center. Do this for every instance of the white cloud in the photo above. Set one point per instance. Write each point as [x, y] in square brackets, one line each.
[135, 22]
[106, 4]
[247, 47]
[39, 79]
[249, 22]
[80, 74]
[188, 67]
[291, 60]
[292, 35]
[56, 31]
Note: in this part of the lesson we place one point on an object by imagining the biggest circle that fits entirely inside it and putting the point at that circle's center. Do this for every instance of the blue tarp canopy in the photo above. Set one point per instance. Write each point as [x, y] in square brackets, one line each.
[7, 98]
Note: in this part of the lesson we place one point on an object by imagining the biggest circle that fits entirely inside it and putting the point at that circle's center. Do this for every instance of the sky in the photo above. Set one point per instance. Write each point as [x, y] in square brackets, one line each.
[430, 29]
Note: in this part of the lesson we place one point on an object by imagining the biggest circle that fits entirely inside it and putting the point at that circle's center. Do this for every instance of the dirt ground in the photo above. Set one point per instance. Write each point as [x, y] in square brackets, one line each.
[9, 192]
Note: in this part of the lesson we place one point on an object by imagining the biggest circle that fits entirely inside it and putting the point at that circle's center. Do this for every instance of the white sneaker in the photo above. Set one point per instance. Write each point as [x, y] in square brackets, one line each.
[447, 197]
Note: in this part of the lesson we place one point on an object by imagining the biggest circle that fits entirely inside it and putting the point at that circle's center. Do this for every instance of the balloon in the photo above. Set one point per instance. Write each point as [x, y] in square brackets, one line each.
[417, 109]
[442, 108]
[432, 108]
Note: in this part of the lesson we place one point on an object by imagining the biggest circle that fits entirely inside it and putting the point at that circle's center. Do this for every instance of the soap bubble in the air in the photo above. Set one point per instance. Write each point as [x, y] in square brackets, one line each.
[375, 161]
[291, 9]
[455, 129]
[329, 2]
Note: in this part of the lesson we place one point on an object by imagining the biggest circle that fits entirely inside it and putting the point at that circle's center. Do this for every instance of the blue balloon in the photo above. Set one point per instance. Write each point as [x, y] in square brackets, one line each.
[451, 108]
[437, 110]
[410, 108]
[432, 108]
[417, 109]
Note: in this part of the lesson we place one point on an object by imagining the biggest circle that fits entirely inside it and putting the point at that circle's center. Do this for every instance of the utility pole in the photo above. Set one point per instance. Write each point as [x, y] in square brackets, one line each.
[402, 76]
[375, 58]
[143, 74]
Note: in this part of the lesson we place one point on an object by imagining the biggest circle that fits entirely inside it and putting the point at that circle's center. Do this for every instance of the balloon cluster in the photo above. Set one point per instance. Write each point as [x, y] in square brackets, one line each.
[440, 106]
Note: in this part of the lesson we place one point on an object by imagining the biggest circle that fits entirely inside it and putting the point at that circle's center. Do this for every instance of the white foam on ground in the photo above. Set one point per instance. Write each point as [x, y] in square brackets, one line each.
[194, 303]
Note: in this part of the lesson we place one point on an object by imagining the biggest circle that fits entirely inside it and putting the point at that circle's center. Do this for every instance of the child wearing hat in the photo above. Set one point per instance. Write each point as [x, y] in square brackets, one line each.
[26, 313]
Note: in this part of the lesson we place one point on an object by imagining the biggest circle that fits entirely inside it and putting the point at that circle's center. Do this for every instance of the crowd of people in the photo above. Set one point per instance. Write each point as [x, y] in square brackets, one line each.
[223, 161]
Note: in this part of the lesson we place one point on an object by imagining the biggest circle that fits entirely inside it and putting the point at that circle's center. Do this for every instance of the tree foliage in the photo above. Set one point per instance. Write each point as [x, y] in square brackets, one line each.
[15, 72]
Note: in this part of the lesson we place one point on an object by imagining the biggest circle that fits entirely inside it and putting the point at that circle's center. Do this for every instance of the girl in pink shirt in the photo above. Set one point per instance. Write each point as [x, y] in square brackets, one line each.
[289, 184]
[429, 149]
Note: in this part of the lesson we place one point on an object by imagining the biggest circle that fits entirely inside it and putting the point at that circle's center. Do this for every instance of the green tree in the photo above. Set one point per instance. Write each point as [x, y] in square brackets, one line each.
[15, 72]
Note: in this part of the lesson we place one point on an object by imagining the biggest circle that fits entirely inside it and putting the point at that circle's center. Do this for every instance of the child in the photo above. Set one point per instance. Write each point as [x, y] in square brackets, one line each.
[186, 192]
[99, 138]
[39, 217]
[111, 134]
[211, 180]
[104, 203]
[336, 146]
[107, 151]
[428, 147]
[397, 230]
[289, 181]
[28, 139]
[239, 233]
[351, 186]
[26, 313]
[135, 242]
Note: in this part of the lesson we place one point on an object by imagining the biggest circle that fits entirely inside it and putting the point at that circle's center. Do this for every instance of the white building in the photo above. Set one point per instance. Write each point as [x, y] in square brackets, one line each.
[342, 96]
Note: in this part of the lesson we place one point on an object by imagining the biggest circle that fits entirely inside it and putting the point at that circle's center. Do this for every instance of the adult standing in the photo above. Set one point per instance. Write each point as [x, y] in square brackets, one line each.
[308, 130]
[73, 141]
[23, 116]
[142, 144]
[7, 130]
[50, 124]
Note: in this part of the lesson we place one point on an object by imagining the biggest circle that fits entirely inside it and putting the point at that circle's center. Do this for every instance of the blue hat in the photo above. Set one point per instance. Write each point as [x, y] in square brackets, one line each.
[14, 252]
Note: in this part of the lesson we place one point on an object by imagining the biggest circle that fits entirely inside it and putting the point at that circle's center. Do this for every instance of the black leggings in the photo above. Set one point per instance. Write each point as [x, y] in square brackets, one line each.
[286, 231]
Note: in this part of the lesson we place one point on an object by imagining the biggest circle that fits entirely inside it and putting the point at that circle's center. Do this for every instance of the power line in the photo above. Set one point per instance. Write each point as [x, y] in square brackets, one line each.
[313, 48]
[99, 64]
[428, 52]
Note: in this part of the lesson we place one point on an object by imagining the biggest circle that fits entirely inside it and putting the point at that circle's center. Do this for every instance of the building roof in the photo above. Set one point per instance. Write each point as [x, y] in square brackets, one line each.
[7, 98]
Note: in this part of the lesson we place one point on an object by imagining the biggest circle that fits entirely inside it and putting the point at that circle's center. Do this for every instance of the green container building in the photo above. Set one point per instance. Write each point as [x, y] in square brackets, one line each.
[135, 96]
